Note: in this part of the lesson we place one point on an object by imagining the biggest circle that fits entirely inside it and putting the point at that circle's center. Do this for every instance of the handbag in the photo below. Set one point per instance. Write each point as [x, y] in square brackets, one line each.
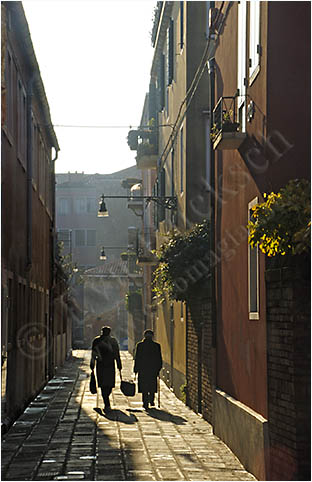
[92, 383]
[127, 388]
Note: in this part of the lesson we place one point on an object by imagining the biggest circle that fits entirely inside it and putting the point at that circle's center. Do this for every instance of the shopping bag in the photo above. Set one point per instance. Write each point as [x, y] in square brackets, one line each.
[127, 388]
[92, 383]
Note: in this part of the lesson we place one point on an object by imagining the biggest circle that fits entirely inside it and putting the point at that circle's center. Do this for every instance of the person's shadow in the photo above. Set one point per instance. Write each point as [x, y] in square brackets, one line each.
[117, 415]
[163, 416]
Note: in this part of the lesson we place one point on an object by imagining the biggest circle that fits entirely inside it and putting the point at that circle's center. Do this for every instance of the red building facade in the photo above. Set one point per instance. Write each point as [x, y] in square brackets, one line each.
[31, 324]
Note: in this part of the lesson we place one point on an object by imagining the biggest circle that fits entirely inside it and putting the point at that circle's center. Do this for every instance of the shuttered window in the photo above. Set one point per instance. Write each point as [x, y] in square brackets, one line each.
[181, 25]
[162, 189]
[80, 237]
[9, 64]
[161, 83]
[21, 124]
[170, 53]
[91, 237]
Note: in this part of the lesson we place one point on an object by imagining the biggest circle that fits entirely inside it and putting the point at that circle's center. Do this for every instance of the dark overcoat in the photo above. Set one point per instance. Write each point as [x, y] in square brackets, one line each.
[147, 363]
[105, 351]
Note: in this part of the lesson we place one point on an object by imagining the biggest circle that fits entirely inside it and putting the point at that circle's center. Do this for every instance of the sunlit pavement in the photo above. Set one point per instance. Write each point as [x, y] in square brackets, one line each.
[63, 435]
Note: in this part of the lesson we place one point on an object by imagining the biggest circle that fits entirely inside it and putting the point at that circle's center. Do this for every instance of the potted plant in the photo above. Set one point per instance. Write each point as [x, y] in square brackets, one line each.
[281, 224]
[227, 125]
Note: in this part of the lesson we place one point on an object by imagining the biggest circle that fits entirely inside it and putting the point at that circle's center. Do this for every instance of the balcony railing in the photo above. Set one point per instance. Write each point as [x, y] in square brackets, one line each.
[147, 155]
[226, 132]
[144, 141]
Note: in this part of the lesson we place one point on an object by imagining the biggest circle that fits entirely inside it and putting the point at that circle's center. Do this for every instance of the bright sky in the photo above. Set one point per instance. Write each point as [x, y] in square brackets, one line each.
[95, 59]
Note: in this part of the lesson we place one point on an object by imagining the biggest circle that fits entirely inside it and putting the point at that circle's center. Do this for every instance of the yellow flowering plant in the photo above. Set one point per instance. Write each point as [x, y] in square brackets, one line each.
[281, 224]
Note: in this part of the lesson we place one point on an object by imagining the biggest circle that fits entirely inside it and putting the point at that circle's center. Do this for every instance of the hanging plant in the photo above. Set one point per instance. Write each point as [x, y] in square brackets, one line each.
[281, 224]
[183, 267]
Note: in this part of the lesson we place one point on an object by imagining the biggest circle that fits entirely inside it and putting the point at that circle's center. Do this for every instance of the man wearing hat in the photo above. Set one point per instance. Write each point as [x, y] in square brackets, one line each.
[105, 351]
[147, 363]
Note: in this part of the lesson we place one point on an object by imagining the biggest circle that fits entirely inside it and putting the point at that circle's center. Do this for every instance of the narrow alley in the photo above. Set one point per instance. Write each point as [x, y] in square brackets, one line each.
[63, 435]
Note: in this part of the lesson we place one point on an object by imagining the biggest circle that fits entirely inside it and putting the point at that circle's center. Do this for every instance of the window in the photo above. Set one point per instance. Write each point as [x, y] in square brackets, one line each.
[35, 136]
[21, 124]
[63, 206]
[9, 93]
[253, 273]
[241, 62]
[170, 53]
[181, 25]
[92, 205]
[91, 237]
[254, 39]
[64, 236]
[161, 85]
[48, 183]
[80, 205]
[181, 161]
[80, 237]
[162, 192]
[41, 169]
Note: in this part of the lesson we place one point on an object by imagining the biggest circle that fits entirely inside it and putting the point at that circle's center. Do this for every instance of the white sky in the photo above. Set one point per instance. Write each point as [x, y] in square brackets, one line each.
[95, 59]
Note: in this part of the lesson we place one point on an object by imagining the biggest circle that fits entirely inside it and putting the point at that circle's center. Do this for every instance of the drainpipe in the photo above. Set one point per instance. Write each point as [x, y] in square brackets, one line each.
[50, 331]
[211, 71]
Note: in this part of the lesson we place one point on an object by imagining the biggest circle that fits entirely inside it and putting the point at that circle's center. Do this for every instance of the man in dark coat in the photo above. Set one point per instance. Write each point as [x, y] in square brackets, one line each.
[105, 351]
[147, 363]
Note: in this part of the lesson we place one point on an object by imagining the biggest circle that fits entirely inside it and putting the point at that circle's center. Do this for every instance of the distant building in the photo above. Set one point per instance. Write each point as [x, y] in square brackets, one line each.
[105, 288]
[83, 234]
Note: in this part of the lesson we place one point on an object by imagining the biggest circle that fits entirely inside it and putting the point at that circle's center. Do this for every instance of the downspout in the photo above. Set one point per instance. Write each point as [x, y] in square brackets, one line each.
[211, 71]
[50, 331]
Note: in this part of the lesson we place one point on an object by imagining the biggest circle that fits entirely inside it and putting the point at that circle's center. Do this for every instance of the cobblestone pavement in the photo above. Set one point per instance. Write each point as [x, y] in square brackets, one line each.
[64, 435]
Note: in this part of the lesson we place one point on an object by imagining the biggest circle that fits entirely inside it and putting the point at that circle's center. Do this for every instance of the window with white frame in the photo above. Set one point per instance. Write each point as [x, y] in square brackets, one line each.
[241, 62]
[254, 39]
[253, 272]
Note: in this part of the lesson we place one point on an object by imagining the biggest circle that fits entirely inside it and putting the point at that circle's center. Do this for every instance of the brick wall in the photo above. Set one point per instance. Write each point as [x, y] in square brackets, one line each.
[288, 325]
[199, 358]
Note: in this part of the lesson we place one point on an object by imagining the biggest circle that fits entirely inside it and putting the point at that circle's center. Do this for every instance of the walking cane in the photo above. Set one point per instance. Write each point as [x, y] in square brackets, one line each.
[158, 390]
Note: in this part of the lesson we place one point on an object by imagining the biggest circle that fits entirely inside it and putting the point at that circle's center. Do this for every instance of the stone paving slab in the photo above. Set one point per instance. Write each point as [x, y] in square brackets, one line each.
[64, 435]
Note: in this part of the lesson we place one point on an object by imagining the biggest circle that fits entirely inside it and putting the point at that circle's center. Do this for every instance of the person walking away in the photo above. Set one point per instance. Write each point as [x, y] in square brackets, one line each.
[147, 363]
[105, 351]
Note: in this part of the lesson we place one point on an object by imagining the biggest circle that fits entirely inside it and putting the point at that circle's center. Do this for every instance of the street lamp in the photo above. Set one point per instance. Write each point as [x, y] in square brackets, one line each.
[167, 202]
[102, 212]
[103, 255]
